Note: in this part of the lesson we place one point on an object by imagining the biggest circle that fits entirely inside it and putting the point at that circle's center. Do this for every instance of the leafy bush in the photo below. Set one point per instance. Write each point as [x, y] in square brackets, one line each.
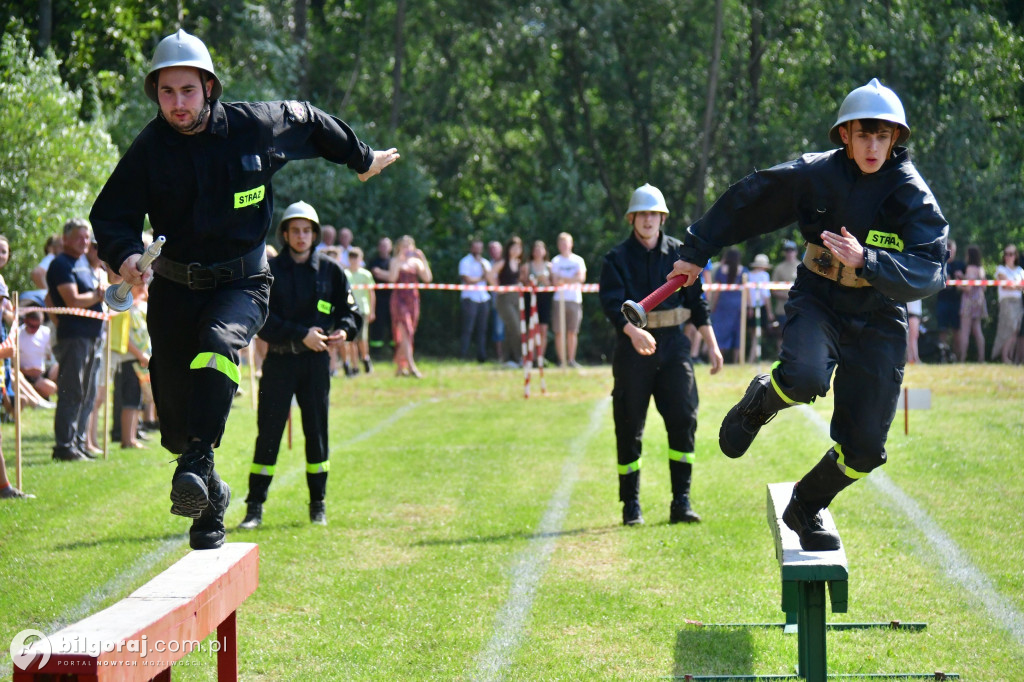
[53, 164]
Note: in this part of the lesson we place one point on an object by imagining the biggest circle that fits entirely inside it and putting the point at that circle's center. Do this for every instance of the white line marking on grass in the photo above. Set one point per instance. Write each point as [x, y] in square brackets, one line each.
[381, 425]
[957, 565]
[124, 579]
[144, 564]
[530, 564]
[288, 476]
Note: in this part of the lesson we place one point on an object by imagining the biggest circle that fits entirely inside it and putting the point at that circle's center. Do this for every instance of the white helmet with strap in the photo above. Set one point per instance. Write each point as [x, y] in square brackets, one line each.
[873, 100]
[300, 209]
[647, 198]
[181, 49]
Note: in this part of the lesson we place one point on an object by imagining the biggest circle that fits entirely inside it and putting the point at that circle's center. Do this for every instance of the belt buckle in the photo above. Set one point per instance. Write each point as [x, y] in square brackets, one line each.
[190, 270]
[823, 261]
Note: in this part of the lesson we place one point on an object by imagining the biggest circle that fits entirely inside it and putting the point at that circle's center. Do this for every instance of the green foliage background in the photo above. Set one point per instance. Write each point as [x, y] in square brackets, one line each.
[533, 118]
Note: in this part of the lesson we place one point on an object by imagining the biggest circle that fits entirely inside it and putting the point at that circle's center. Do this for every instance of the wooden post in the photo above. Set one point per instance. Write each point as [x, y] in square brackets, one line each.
[227, 653]
[16, 361]
[744, 301]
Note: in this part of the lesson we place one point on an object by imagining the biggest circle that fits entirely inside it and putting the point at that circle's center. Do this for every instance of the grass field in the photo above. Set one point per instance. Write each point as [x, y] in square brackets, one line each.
[475, 535]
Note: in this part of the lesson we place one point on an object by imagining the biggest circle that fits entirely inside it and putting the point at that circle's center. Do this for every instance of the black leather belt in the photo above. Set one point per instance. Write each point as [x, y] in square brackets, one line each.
[199, 276]
[291, 348]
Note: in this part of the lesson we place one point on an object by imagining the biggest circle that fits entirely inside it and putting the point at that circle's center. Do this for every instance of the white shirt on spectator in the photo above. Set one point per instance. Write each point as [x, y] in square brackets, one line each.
[475, 269]
[569, 267]
[34, 348]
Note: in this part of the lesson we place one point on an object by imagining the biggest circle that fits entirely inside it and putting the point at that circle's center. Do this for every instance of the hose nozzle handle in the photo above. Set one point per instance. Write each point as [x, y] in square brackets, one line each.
[636, 313]
[119, 298]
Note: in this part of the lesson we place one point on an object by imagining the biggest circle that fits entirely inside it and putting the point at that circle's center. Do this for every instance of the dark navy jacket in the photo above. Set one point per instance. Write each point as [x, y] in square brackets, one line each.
[311, 294]
[892, 213]
[210, 193]
[630, 272]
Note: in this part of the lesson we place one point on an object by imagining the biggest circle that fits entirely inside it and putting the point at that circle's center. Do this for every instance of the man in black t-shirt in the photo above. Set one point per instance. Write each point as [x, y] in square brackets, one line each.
[72, 284]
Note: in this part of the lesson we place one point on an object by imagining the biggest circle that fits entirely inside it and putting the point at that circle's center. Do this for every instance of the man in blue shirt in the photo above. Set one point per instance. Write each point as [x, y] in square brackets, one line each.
[72, 284]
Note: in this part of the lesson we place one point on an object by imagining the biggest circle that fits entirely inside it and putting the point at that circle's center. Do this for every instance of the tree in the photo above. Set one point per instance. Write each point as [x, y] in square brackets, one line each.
[54, 163]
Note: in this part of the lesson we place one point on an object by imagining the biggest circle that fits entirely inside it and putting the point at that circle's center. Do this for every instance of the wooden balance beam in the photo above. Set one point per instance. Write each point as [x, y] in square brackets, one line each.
[144, 634]
[804, 577]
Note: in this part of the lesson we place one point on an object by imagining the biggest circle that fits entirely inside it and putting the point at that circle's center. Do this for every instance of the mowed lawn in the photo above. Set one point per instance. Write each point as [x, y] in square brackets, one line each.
[476, 535]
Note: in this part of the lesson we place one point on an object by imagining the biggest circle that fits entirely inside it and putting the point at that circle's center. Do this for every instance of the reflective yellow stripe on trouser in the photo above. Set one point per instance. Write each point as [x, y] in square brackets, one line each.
[318, 467]
[218, 362]
[785, 398]
[676, 456]
[262, 469]
[625, 469]
[841, 463]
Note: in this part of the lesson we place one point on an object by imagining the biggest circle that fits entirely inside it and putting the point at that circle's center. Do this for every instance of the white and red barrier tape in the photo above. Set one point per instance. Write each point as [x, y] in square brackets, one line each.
[594, 288]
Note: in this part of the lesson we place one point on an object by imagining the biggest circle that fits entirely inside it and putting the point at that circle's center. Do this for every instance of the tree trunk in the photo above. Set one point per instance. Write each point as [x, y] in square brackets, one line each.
[754, 66]
[45, 23]
[709, 109]
[396, 72]
[301, 40]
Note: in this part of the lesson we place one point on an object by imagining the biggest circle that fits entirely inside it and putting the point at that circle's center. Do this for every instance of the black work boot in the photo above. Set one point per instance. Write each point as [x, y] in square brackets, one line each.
[680, 512]
[631, 514]
[318, 513]
[757, 407]
[189, 485]
[208, 530]
[253, 516]
[811, 494]
[804, 520]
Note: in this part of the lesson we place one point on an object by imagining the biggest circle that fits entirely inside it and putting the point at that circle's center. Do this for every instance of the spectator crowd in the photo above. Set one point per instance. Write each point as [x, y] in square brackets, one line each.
[62, 360]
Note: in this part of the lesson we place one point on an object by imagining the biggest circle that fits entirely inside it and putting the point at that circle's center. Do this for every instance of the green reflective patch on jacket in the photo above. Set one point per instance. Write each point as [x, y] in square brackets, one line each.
[250, 196]
[884, 240]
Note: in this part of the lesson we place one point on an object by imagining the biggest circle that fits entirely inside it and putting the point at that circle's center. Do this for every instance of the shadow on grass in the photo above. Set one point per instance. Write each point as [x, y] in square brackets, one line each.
[713, 651]
[478, 539]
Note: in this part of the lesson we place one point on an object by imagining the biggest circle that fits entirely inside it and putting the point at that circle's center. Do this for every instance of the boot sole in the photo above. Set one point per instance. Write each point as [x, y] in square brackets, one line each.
[189, 496]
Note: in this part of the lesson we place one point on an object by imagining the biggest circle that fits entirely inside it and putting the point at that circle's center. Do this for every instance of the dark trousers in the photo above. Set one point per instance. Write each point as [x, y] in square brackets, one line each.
[76, 390]
[307, 377]
[861, 336]
[668, 377]
[380, 328]
[197, 340]
[474, 328]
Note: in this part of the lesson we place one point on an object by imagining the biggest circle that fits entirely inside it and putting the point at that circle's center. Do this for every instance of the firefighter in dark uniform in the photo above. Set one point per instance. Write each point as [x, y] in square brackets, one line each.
[201, 171]
[311, 310]
[875, 240]
[654, 361]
